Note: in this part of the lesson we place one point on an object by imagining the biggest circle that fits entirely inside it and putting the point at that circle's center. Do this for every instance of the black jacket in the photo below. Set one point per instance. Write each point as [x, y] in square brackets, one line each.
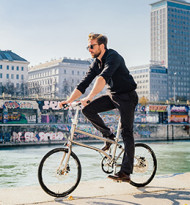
[113, 70]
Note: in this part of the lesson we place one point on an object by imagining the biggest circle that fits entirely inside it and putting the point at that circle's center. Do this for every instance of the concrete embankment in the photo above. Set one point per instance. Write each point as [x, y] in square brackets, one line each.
[31, 144]
[163, 190]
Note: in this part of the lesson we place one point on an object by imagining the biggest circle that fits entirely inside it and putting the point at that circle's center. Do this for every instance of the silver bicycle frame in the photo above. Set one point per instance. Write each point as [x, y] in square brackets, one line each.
[71, 141]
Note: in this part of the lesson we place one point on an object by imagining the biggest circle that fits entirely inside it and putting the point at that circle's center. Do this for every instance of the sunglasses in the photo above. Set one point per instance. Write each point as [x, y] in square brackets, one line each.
[91, 46]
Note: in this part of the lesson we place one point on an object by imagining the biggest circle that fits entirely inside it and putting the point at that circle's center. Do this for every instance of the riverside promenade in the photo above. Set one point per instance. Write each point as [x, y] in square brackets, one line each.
[172, 189]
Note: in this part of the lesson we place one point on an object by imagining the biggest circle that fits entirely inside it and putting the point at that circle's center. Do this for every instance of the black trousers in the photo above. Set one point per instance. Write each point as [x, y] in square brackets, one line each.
[125, 103]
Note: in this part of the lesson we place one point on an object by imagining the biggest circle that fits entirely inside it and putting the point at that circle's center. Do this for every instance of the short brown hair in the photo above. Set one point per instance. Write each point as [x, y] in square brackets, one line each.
[101, 39]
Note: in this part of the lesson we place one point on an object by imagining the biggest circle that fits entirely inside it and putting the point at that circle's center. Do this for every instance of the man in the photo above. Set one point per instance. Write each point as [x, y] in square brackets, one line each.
[109, 68]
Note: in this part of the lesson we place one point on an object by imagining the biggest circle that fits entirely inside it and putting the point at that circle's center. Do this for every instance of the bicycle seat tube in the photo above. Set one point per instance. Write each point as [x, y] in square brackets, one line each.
[117, 136]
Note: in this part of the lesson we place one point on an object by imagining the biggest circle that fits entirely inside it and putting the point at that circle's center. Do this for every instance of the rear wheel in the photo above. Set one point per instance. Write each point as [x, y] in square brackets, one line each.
[145, 165]
[53, 178]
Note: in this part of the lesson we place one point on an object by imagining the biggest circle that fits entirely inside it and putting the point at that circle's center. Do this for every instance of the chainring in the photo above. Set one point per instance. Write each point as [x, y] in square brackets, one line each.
[106, 166]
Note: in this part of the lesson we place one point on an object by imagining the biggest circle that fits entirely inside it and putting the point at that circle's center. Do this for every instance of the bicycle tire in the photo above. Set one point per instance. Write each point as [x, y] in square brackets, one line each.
[145, 166]
[50, 180]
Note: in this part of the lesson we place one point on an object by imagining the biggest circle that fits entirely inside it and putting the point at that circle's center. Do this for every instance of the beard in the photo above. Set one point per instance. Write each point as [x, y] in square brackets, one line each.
[95, 55]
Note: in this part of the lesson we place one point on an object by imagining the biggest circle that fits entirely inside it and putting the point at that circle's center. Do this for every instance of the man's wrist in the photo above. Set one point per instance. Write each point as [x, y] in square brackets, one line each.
[69, 101]
[91, 96]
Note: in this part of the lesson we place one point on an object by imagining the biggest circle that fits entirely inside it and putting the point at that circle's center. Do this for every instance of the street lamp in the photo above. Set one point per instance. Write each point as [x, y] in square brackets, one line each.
[174, 85]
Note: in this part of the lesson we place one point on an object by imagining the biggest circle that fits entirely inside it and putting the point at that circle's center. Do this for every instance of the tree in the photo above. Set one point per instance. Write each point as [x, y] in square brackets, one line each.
[66, 88]
[34, 88]
[2, 89]
[54, 89]
[8, 88]
[143, 100]
[24, 89]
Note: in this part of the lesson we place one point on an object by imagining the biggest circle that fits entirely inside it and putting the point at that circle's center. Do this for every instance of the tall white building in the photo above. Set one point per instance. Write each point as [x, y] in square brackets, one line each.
[151, 81]
[13, 70]
[56, 78]
[170, 44]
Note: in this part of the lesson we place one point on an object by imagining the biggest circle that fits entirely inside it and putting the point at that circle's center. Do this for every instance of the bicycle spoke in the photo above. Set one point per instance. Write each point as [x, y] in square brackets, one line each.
[145, 165]
[59, 179]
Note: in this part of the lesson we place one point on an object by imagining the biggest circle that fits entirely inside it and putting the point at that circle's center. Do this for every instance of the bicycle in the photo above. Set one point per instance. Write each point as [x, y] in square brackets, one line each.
[59, 171]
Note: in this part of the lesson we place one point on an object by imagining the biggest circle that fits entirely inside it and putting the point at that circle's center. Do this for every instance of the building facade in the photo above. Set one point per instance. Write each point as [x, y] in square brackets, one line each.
[57, 78]
[170, 44]
[13, 72]
[151, 81]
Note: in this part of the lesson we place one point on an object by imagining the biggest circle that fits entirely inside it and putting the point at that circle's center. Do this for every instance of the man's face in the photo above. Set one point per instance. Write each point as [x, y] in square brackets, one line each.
[94, 48]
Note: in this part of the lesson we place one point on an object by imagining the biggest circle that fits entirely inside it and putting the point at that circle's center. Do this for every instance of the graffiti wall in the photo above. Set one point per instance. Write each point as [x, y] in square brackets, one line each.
[48, 112]
[178, 114]
[37, 137]
[18, 104]
[18, 112]
[21, 112]
[157, 108]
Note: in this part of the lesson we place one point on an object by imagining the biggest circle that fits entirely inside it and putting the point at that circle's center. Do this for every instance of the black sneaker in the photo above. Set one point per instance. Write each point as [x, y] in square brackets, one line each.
[107, 145]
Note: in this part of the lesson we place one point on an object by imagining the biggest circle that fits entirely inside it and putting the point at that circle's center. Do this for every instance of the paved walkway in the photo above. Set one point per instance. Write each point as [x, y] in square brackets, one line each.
[163, 190]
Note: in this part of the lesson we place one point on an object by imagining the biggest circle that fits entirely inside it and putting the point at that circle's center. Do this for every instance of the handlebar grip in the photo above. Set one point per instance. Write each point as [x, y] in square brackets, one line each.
[65, 106]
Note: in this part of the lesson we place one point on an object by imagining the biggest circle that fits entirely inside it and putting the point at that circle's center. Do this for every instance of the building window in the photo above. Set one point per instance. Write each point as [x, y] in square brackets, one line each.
[7, 76]
[17, 68]
[22, 68]
[1, 66]
[7, 67]
[12, 76]
[1, 75]
[17, 76]
[12, 67]
[72, 72]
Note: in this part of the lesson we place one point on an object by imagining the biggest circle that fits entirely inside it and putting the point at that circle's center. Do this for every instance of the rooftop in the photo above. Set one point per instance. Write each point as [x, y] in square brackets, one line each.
[76, 61]
[173, 1]
[149, 66]
[61, 60]
[10, 56]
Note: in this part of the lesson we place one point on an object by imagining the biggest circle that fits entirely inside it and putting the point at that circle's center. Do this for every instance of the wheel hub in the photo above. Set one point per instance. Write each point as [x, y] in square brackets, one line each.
[140, 165]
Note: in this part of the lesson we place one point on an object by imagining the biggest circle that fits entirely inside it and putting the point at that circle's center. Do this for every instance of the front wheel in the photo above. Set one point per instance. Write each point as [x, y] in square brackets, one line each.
[145, 165]
[56, 178]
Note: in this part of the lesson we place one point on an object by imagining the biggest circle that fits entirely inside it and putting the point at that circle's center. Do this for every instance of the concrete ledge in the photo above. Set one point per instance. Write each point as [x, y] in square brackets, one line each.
[62, 142]
[166, 189]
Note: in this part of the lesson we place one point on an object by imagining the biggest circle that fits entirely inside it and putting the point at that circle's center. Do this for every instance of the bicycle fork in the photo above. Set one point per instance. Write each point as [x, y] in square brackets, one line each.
[69, 143]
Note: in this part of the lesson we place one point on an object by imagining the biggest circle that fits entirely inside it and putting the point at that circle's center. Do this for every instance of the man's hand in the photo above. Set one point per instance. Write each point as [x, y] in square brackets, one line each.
[63, 103]
[74, 95]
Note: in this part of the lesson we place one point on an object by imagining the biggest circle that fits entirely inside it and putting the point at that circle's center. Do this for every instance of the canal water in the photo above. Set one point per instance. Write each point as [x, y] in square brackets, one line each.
[19, 166]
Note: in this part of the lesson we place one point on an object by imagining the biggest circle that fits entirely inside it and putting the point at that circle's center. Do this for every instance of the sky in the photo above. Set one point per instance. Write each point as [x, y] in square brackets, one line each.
[42, 30]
